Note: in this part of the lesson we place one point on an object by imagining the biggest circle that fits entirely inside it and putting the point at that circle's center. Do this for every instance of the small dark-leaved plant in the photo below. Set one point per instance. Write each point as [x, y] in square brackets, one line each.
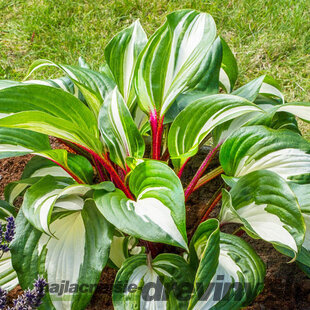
[101, 201]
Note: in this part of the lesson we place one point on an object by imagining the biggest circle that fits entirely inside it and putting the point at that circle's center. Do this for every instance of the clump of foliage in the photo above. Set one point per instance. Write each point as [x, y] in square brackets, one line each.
[102, 201]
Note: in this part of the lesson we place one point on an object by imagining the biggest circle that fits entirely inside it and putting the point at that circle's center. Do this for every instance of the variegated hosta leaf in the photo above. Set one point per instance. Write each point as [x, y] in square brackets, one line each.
[8, 83]
[209, 85]
[63, 83]
[49, 192]
[198, 119]
[93, 85]
[174, 59]
[8, 276]
[142, 284]
[158, 214]
[229, 275]
[50, 111]
[121, 55]
[257, 147]
[229, 68]
[267, 208]
[251, 92]
[302, 192]
[300, 109]
[123, 247]
[74, 258]
[19, 142]
[263, 85]
[119, 131]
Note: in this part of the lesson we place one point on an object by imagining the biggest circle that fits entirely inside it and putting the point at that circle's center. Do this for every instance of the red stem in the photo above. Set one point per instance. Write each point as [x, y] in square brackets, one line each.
[213, 204]
[200, 171]
[182, 168]
[114, 176]
[157, 133]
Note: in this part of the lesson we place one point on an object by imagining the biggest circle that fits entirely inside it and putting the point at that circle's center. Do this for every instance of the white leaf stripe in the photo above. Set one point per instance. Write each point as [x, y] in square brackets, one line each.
[301, 109]
[228, 268]
[255, 148]
[226, 260]
[8, 276]
[153, 210]
[201, 117]
[156, 215]
[271, 90]
[40, 200]
[269, 209]
[17, 142]
[92, 85]
[64, 254]
[229, 68]
[121, 54]
[286, 162]
[165, 269]
[77, 254]
[185, 48]
[267, 225]
[224, 79]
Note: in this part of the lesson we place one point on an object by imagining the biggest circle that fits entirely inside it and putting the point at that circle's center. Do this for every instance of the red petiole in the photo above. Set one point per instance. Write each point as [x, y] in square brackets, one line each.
[104, 161]
[191, 186]
[157, 126]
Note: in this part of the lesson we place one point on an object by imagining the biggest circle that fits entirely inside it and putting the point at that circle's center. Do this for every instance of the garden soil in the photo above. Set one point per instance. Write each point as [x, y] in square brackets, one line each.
[286, 287]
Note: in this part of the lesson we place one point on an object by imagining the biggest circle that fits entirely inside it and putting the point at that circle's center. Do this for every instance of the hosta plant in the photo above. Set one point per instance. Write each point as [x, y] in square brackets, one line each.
[113, 194]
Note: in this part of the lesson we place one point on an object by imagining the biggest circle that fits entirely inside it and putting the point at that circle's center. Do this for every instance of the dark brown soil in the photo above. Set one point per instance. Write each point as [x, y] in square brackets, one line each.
[286, 287]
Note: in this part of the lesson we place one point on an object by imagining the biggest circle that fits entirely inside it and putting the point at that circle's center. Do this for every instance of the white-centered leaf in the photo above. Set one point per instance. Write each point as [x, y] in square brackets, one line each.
[74, 257]
[265, 85]
[49, 192]
[300, 109]
[257, 147]
[198, 119]
[267, 208]
[158, 214]
[174, 59]
[121, 55]
[164, 277]
[19, 142]
[119, 131]
[226, 262]
[92, 85]
[302, 192]
[50, 111]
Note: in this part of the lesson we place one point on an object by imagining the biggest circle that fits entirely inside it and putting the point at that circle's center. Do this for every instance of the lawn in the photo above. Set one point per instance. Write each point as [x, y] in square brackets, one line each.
[267, 36]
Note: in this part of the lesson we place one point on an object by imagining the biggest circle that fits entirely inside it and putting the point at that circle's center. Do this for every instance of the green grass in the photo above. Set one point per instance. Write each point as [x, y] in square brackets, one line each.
[267, 36]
